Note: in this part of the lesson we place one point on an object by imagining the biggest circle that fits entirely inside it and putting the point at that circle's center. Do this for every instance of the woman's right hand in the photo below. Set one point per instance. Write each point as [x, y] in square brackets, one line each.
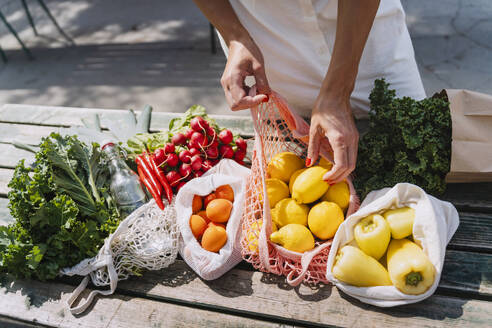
[245, 59]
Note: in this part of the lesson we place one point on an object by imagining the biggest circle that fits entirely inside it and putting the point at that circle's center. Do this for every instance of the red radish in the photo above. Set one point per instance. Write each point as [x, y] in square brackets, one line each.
[198, 174]
[185, 170]
[225, 136]
[188, 133]
[198, 140]
[198, 124]
[178, 139]
[226, 151]
[196, 163]
[212, 152]
[206, 165]
[185, 156]
[194, 151]
[239, 154]
[160, 156]
[211, 132]
[241, 143]
[180, 185]
[172, 160]
[169, 148]
[214, 144]
[214, 162]
[173, 177]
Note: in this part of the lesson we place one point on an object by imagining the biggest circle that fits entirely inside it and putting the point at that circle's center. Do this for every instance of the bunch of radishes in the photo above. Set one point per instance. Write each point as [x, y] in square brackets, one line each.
[195, 150]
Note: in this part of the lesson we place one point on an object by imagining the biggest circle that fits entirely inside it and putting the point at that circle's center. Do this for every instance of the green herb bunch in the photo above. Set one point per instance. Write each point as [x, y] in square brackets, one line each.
[407, 141]
[62, 209]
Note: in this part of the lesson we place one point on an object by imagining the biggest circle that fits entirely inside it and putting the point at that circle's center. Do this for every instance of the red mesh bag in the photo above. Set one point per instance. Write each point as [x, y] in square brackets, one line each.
[279, 129]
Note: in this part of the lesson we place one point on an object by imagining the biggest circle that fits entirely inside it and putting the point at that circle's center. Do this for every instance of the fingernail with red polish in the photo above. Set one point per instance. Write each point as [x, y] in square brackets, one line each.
[308, 162]
[266, 99]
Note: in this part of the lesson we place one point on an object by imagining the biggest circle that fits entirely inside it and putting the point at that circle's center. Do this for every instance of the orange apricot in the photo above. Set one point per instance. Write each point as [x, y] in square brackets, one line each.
[197, 204]
[225, 192]
[198, 225]
[214, 238]
[219, 210]
[207, 199]
[203, 214]
[211, 223]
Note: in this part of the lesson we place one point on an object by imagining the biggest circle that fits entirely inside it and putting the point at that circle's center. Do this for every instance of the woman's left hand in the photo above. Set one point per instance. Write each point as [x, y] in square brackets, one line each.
[332, 119]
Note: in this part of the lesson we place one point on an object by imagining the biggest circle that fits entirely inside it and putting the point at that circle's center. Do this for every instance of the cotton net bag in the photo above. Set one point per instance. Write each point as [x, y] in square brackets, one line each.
[211, 265]
[434, 225]
[147, 239]
[278, 129]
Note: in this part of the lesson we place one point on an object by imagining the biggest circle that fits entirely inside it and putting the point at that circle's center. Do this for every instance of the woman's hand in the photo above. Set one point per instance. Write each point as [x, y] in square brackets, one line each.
[332, 119]
[245, 59]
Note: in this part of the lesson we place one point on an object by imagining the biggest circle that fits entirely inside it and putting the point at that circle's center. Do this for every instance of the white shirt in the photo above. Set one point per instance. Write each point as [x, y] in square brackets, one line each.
[296, 38]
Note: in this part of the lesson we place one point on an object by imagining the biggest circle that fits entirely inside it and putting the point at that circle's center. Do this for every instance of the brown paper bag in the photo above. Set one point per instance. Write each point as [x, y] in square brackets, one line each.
[471, 145]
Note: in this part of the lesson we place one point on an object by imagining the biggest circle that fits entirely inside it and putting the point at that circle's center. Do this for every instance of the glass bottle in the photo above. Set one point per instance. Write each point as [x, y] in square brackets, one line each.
[125, 185]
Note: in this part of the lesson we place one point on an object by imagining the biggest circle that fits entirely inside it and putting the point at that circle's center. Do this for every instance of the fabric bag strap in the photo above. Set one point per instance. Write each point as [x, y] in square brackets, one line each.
[83, 305]
[305, 262]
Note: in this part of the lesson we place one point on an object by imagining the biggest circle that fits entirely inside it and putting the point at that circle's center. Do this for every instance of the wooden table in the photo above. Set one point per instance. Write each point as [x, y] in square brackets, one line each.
[242, 297]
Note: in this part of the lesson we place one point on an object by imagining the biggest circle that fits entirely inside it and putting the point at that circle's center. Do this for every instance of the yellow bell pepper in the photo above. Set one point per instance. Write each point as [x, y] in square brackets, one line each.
[373, 235]
[400, 221]
[356, 268]
[409, 268]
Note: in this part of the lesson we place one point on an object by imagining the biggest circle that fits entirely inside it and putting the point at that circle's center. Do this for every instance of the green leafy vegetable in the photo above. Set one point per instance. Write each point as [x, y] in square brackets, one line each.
[62, 208]
[149, 142]
[407, 141]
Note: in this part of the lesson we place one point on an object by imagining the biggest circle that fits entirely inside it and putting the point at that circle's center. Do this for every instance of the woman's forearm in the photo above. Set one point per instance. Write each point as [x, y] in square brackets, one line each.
[354, 22]
[222, 16]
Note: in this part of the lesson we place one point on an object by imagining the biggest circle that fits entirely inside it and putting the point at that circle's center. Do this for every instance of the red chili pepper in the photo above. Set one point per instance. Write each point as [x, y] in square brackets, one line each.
[150, 187]
[162, 179]
[147, 169]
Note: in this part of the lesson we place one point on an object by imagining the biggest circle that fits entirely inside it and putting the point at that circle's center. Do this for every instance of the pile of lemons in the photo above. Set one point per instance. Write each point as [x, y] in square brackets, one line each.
[303, 206]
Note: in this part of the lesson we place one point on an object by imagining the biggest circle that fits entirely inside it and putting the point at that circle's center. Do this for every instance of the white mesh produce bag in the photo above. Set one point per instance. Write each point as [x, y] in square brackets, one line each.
[435, 223]
[146, 239]
[210, 265]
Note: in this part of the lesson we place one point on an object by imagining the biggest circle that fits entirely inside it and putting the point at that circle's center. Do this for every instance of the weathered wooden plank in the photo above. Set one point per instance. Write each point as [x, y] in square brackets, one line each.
[69, 116]
[474, 233]
[267, 295]
[5, 177]
[44, 303]
[467, 272]
[470, 196]
[5, 217]
[28, 134]
[11, 155]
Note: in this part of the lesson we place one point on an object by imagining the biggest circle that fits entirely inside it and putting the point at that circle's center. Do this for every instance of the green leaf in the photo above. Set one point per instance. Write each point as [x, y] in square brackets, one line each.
[35, 256]
[407, 141]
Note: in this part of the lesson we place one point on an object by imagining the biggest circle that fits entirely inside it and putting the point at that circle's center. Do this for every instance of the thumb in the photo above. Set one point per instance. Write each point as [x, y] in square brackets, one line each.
[313, 146]
[261, 81]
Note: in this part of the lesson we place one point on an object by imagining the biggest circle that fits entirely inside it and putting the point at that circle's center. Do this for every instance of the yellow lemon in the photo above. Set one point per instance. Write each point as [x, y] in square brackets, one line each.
[325, 163]
[276, 191]
[309, 185]
[294, 237]
[283, 165]
[254, 234]
[293, 178]
[338, 193]
[289, 211]
[324, 219]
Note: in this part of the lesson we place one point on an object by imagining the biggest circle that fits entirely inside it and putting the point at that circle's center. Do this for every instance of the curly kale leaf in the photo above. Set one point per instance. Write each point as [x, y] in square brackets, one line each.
[62, 209]
[407, 141]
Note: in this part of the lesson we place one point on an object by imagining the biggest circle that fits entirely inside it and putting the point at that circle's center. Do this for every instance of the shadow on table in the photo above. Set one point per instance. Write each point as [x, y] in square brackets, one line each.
[435, 308]
[306, 292]
[36, 293]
